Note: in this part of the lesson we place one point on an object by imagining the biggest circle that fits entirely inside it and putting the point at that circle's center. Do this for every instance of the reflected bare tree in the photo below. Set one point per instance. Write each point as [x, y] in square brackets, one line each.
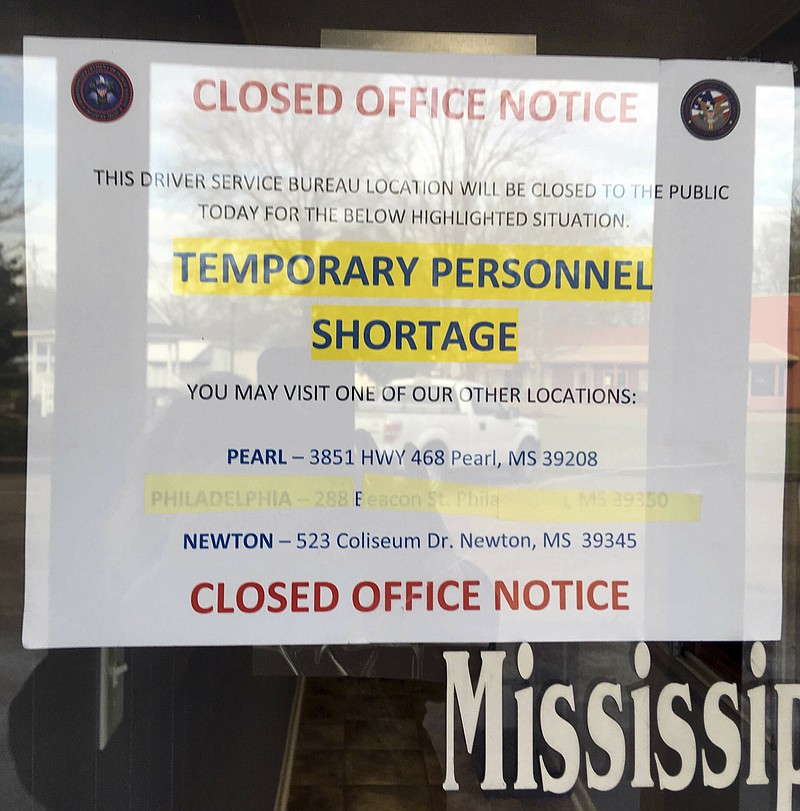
[13, 371]
[12, 298]
[11, 203]
[421, 148]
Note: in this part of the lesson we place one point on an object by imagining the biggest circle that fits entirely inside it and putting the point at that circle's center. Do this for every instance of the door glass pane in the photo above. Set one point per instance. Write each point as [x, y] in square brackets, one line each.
[366, 726]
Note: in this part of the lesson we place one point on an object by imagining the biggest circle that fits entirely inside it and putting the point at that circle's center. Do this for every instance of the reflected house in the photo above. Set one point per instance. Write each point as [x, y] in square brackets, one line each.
[177, 355]
[617, 357]
[174, 358]
[170, 358]
[773, 371]
[41, 368]
[602, 357]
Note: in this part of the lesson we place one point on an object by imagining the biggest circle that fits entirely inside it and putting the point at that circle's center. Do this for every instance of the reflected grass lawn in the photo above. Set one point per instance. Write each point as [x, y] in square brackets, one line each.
[620, 437]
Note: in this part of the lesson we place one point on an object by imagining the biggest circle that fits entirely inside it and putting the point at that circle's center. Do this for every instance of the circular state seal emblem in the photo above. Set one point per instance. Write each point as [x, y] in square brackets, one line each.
[710, 109]
[102, 91]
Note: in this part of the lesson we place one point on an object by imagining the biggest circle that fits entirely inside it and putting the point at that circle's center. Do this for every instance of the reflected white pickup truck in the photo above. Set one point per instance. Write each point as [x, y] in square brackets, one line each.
[461, 418]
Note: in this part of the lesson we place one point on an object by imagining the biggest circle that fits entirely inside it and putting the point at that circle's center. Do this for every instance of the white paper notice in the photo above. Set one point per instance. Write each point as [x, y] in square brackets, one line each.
[334, 347]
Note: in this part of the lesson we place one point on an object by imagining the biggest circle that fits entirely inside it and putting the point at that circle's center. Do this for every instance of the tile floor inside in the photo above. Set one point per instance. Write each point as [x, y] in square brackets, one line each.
[375, 744]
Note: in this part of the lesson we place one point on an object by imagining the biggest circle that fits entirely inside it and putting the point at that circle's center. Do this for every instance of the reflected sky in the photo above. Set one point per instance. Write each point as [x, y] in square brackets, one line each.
[11, 230]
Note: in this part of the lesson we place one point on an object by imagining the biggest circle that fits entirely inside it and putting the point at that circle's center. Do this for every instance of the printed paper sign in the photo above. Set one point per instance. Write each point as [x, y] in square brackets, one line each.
[338, 347]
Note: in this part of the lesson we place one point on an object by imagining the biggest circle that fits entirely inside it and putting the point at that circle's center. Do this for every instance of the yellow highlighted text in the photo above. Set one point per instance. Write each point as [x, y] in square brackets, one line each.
[166, 493]
[260, 267]
[455, 334]
[423, 495]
